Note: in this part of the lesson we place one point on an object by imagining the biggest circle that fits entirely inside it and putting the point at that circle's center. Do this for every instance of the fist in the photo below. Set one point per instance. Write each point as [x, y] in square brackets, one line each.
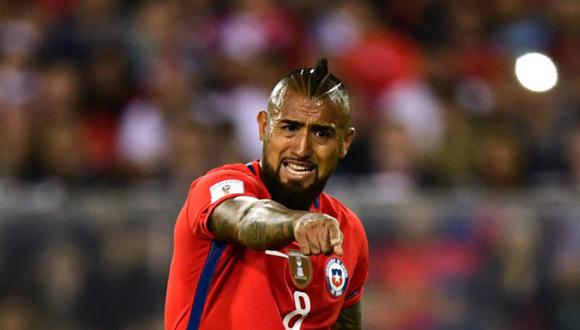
[318, 233]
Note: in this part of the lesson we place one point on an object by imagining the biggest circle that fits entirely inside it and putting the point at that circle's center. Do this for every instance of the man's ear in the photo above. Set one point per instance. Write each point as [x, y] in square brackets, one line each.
[350, 134]
[262, 120]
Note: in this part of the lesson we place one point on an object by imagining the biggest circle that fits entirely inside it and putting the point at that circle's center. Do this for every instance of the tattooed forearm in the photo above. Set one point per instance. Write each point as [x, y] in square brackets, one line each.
[265, 229]
[260, 224]
[349, 319]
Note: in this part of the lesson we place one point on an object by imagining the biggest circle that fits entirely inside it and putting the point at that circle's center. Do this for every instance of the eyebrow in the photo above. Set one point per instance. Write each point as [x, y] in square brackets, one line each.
[292, 122]
[328, 127]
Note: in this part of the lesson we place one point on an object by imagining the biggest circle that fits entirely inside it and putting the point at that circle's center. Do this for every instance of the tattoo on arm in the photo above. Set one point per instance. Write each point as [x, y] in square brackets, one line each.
[260, 224]
[265, 234]
[221, 226]
[350, 318]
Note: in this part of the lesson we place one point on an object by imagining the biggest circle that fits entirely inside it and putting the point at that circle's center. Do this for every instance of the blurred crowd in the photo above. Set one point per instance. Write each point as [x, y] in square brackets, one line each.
[465, 261]
[104, 93]
[115, 91]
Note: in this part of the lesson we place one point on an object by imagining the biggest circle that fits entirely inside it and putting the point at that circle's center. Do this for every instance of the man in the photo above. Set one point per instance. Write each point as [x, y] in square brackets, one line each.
[259, 245]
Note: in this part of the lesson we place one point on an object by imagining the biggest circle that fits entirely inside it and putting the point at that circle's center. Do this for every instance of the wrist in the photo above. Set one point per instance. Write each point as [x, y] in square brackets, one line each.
[296, 221]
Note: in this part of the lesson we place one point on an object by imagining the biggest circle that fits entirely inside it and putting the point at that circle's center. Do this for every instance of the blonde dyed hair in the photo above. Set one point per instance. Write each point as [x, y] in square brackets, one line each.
[316, 83]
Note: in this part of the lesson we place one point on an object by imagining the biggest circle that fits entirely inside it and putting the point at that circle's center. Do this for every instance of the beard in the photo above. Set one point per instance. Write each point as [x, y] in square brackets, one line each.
[291, 194]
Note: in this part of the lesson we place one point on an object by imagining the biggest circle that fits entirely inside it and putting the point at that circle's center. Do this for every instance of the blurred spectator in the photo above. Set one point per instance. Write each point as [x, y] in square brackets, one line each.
[63, 277]
[340, 27]
[142, 138]
[412, 105]
[424, 273]
[190, 141]
[498, 162]
[452, 163]
[393, 156]
[573, 157]
[255, 27]
[18, 314]
[565, 272]
[378, 58]
[18, 89]
[59, 150]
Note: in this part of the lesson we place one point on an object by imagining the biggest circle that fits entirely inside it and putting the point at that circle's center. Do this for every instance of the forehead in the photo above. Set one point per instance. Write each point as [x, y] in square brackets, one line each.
[301, 108]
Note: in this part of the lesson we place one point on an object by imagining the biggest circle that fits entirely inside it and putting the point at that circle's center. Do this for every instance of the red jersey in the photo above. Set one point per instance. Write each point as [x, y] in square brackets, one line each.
[223, 285]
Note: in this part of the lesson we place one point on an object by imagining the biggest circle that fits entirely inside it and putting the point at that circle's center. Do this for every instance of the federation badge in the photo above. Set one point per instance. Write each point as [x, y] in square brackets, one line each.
[300, 269]
[336, 276]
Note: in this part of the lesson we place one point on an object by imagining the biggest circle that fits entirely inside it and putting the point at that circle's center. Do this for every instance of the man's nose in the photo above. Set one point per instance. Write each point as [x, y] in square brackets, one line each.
[302, 144]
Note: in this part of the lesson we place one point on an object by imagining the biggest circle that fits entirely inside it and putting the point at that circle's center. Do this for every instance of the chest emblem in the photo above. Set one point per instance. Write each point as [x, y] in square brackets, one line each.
[336, 276]
[300, 269]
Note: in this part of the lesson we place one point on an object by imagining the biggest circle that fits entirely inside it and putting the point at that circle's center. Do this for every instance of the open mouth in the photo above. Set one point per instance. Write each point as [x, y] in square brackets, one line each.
[298, 168]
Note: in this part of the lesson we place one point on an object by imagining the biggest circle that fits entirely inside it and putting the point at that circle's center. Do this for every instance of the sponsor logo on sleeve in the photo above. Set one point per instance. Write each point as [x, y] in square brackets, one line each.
[224, 188]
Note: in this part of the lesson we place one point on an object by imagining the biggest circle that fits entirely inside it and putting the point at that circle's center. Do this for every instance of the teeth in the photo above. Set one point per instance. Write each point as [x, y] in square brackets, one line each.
[297, 168]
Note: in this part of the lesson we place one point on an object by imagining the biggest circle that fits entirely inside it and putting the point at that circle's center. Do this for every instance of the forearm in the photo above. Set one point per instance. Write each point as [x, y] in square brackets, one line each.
[259, 224]
[265, 224]
[268, 225]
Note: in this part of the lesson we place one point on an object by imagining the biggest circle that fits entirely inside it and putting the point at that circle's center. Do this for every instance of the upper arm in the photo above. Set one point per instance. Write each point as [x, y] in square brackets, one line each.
[225, 219]
[210, 191]
[350, 318]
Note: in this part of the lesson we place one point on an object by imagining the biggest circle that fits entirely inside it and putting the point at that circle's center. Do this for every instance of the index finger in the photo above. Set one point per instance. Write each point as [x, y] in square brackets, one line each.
[335, 236]
[337, 249]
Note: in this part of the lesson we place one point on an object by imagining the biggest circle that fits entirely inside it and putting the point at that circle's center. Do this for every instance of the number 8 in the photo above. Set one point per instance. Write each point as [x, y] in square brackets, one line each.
[301, 309]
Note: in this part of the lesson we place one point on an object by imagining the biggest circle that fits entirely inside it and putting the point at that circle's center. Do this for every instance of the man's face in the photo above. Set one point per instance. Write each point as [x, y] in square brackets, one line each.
[303, 142]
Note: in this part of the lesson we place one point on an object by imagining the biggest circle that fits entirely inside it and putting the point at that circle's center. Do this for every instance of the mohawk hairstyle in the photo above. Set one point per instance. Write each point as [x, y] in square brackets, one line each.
[319, 73]
[315, 83]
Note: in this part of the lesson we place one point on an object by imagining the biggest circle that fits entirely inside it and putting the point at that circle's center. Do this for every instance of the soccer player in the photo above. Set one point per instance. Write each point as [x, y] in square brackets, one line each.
[260, 245]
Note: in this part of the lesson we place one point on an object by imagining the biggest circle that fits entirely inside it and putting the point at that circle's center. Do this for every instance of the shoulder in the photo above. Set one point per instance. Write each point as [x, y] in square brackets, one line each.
[238, 169]
[227, 179]
[228, 171]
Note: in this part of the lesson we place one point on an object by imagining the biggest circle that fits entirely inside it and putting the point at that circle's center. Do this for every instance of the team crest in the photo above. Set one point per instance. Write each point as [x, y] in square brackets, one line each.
[300, 269]
[336, 276]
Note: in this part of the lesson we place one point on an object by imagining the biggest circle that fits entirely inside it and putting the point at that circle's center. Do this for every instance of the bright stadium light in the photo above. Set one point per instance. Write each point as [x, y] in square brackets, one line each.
[536, 72]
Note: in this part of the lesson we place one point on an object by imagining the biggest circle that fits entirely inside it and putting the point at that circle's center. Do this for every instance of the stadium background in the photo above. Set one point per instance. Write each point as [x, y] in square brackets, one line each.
[468, 184]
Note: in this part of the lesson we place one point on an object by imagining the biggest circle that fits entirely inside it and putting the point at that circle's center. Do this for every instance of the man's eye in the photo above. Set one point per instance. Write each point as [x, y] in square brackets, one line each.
[290, 128]
[325, 134]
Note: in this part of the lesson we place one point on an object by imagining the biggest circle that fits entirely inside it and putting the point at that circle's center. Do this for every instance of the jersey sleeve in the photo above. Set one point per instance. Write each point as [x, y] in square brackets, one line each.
[360, 273]
[209, 191]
